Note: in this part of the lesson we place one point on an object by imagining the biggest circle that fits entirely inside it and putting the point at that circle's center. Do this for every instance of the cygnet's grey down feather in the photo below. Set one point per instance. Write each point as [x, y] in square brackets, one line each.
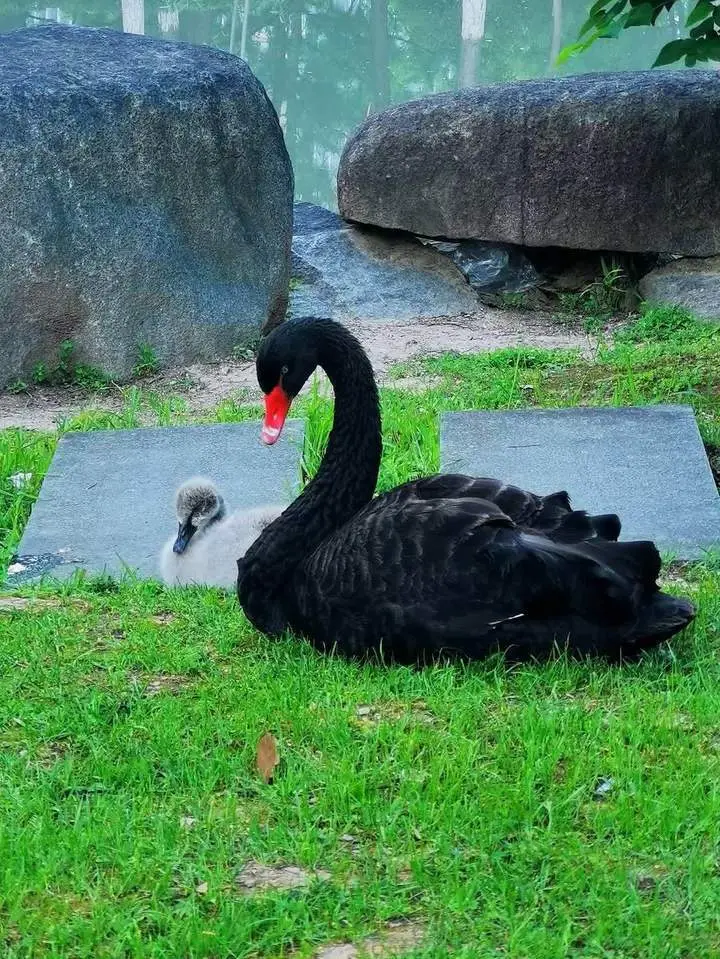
[209, 541]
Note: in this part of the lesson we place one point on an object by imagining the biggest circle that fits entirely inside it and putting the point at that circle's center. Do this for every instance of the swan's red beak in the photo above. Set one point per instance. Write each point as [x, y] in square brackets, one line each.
[277, 404]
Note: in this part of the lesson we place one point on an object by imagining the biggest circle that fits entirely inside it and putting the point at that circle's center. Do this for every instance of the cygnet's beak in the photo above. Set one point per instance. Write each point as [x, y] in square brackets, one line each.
[185, 531]
[277, 404]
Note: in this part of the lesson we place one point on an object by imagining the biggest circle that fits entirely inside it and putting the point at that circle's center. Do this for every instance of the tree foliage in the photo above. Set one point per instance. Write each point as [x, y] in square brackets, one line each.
[607, 19]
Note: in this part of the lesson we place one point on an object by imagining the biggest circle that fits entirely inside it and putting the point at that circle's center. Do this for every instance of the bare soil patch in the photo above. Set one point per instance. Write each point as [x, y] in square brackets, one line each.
[255, 877]
[398, 937]
[159, 684]
[203, 386]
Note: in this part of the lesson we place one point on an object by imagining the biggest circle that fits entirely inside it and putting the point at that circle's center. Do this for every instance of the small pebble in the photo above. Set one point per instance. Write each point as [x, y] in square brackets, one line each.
[604, 787]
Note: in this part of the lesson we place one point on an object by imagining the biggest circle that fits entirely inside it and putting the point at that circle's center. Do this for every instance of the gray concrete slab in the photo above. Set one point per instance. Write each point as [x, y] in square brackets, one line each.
[106, 503]
[647, 464]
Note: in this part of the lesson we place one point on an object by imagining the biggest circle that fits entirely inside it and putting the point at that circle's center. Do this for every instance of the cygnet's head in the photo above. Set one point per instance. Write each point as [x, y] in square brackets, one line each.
[198, 504]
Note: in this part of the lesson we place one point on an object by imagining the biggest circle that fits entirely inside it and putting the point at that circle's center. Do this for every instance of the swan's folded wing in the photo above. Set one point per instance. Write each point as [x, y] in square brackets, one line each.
[552, 514]
[520, 505]
[437, 573]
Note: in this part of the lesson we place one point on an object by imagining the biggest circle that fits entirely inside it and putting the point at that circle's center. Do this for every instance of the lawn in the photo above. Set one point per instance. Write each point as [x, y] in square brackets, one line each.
[564, 809]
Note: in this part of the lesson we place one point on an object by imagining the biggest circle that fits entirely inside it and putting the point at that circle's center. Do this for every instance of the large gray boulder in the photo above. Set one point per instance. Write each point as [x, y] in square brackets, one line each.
[690, 283]
[626, 161]
[145, 197]
[354, 274]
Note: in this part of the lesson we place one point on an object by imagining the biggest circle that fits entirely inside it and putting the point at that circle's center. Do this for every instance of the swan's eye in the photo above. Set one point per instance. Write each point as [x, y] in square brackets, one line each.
[283, 371]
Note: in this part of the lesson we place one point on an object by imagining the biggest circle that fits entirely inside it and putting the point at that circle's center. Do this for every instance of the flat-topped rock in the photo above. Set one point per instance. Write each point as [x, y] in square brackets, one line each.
[624, 161]
[647, 464]
[145, 198]
[107, 501]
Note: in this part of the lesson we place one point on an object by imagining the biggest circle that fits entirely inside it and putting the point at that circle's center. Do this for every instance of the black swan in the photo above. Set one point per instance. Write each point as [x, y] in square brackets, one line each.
[446, 565]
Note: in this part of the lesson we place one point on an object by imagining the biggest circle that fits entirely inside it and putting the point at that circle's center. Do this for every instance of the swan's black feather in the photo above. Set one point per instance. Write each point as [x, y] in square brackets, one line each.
[552, 514]
[416, 578]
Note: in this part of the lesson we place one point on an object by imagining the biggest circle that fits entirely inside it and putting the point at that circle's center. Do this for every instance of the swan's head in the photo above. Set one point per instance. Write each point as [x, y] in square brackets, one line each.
[285, 361]
[197, 504]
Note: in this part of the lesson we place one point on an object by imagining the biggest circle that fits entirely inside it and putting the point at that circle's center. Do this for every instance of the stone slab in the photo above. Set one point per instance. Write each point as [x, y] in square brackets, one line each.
[312, 218]
[107, 501]
[647, 464]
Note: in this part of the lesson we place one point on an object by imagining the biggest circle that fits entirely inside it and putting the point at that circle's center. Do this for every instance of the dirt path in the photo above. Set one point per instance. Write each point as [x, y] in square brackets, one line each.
[204, 385]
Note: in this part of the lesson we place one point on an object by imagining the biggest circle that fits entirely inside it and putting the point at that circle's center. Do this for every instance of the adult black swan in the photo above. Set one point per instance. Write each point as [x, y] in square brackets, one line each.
[443, 565]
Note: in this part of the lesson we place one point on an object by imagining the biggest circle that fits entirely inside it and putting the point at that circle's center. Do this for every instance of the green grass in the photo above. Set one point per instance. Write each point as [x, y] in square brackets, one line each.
[148, 362]
[469, 791]
[66, 371]
[605, 297]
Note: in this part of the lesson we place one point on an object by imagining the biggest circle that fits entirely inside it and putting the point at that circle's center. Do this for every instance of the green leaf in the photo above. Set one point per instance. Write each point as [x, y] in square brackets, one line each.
[592, 23]
[707, 49]
[702, 10]
[597, 7]
[640, 16]
[614, 28]
[704, 29]
[672, 52]
[667, 5]
[602, 18]
[573, 49]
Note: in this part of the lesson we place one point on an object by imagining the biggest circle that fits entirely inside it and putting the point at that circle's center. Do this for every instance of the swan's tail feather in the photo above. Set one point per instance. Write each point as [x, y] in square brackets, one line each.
[561, 523]
[662, 617]
[638, 562]
[579, 527]
[607, 526]
[554, 511]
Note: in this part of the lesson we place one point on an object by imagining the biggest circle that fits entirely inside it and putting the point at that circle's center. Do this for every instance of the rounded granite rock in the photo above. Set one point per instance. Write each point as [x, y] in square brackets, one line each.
[625, 161]
[145, 198]
[693, 284]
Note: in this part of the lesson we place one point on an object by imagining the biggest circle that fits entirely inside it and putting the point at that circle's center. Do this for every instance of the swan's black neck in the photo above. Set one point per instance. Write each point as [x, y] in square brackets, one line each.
[344, 483]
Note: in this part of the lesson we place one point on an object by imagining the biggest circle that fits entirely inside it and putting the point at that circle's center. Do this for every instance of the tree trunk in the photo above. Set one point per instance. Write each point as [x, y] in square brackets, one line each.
[472, 31]
[233, 26]
[244, 36]
[381, 54]
[133, 16]
[557, 32]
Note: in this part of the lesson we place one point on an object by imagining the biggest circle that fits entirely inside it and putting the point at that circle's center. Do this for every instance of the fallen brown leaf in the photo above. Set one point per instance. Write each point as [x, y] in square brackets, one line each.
[266, 757]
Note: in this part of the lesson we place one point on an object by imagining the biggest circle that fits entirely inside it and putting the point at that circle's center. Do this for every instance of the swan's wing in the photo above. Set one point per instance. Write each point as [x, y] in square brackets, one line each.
[458, 486]
[455, 574]
[552, 515]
